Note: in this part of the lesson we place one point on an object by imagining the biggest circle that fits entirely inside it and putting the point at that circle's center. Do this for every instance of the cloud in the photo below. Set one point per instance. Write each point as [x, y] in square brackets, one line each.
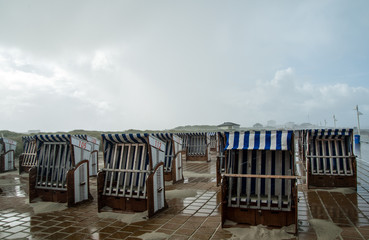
[159, 65]
[47, 92]
[287, 98]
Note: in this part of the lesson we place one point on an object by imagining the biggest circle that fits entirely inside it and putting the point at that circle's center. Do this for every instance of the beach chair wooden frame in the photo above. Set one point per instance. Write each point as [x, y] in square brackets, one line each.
[173, 165]
[330, 160]
[220, 143]
[259, 186]
[62, 171]
[133, 175]
[7, 154]
[28, 159]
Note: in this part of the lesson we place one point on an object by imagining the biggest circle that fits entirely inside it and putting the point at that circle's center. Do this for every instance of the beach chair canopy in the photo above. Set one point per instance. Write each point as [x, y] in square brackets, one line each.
[259, 140]
[88, 139]
[26, 140]
[326, 133]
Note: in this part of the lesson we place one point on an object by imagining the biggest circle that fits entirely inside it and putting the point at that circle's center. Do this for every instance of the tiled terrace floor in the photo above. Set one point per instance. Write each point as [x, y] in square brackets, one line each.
[195, 216]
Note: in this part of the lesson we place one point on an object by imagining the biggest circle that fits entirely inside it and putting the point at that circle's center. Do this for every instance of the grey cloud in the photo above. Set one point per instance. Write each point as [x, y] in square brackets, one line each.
[140, 64]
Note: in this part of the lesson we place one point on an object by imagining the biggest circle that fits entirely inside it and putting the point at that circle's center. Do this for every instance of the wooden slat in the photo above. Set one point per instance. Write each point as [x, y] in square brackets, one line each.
[231, 169]
[142, 167]
[64, 164]
[127, 166]
[317, 160]
[333, 170]
[239, 180]
[134, 173]
[338, 163]
[258, 180]
[248, 180]
[68, 166]
[269, 180]
[278, 181]
[261, 176]
[121, 163]
[313, 156]
[57, 167]
[344, 159]
[112, 165]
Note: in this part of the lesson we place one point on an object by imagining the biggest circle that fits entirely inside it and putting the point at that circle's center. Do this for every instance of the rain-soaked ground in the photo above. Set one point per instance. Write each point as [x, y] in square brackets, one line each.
[193, 213]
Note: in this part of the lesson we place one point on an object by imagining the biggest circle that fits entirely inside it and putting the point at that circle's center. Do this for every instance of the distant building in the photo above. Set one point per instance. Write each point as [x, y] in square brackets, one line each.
[306, 125]
[229, 126]
[290, 125]
[271, 123]
[33, 131]
[258, 125]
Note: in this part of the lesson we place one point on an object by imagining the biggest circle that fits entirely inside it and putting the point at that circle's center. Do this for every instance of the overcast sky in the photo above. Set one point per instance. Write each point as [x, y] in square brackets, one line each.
[117, 65]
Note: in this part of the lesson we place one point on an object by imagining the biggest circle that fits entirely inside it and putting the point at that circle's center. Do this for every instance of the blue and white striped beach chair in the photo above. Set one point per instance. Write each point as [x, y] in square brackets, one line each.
[259, 184]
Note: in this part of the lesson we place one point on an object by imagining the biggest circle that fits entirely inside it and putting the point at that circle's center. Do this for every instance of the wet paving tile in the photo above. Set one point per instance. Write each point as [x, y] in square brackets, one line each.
[195, 217]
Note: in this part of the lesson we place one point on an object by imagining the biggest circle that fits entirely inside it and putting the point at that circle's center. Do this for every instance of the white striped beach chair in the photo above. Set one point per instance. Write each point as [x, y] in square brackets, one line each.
[133, 175]
[173, 170]
[330, 160]
[62, 171]
[7, 151]
[196, 146]
[28, 159]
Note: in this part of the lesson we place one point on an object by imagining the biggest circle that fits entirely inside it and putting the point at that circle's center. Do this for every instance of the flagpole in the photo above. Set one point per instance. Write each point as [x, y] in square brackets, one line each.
[358, 119]
[357, 137]
[334, 120]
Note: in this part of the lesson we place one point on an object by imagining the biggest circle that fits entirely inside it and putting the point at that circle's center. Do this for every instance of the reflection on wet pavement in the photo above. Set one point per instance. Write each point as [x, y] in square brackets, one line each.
[193, 212]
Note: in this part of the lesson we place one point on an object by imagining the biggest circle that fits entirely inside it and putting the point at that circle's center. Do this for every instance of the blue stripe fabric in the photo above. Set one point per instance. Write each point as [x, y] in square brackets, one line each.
[125, 138]
[163, 136]
[330, 132]
[279, 141]
[53, 138]
[227, 140]
[236, 139]
[81, 136]
[246, 141]
[259, 140]
[267, 140]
